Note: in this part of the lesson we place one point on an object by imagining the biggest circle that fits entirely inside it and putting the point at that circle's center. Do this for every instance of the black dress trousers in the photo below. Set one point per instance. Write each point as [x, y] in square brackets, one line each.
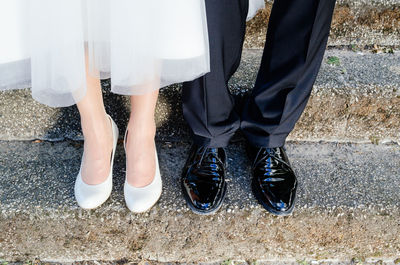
[296, 40]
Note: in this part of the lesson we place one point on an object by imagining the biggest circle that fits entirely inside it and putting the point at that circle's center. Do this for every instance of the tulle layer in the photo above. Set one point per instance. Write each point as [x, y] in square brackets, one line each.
[141, 45]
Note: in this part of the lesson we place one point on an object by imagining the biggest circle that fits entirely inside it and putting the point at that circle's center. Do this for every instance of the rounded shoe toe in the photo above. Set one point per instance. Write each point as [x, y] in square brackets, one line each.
[91, 196]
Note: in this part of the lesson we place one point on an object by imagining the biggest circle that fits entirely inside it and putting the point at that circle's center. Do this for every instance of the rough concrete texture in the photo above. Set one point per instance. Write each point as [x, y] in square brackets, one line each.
[354, 261]
[348, 208]
[359, 22]
[356, 98]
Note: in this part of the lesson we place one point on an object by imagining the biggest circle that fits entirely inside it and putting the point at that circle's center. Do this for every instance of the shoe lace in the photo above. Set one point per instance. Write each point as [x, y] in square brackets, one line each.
[265, 159]
[210, 163]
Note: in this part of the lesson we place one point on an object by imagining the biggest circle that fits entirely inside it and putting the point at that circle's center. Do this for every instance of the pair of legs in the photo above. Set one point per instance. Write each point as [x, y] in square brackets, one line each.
[296, 40]
[98, 145]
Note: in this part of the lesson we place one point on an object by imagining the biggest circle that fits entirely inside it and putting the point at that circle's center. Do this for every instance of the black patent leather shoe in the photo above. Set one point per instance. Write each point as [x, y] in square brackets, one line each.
[203, 179]
[274, 182]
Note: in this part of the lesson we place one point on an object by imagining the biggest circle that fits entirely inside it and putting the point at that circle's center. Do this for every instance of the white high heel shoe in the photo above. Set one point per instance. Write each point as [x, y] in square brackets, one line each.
[139, 200]
[92, 196]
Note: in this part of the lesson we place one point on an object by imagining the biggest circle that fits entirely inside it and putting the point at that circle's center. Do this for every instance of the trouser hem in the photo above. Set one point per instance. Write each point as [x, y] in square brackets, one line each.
[217, 142]
[271, 141]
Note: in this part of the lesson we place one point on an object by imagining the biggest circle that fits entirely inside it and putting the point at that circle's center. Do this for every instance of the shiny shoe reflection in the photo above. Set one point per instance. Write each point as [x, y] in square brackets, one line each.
[203, 179]
[274, 182]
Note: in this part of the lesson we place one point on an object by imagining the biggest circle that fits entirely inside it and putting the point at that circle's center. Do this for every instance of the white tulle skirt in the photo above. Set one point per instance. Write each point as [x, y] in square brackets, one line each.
[141, 45]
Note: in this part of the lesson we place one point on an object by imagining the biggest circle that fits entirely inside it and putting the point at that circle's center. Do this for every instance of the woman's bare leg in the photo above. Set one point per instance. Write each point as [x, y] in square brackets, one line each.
[97, 132]
[140, 146]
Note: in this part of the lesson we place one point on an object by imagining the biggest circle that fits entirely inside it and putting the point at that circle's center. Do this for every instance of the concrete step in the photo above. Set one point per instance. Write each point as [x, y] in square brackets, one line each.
[356, 98]
[354, 261]
[355, 22]
[348, 209]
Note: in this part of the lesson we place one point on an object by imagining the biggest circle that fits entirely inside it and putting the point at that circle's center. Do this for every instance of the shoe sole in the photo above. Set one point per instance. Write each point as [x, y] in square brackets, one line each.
[258, 196]
[202, 212]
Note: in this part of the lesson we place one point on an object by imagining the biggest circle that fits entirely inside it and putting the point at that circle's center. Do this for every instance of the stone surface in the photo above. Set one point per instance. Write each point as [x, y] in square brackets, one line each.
[356, 99]
[348, 207]
[355, 22]
[353, 261]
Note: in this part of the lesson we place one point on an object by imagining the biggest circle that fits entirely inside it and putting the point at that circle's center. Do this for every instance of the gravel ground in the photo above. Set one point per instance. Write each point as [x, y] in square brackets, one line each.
[348, 175]
[357, 91]
[227, 262]
[355, 23]
[348, 207]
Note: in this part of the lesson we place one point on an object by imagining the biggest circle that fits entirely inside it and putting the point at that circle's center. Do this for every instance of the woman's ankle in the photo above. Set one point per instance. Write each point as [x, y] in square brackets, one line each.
[98, 147]
[140, 153]
[94, 121]
[142, 129]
